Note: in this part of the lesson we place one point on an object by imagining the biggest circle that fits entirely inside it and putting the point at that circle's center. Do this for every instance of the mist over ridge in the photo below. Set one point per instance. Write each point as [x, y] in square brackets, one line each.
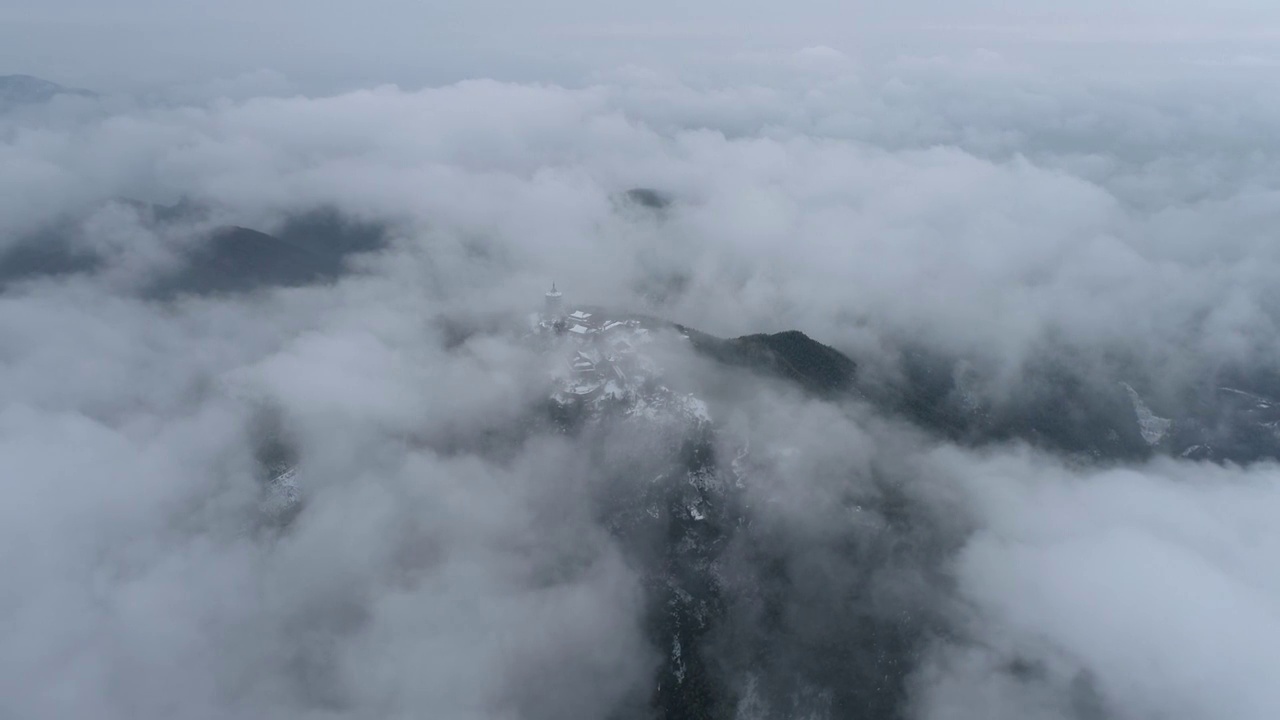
[941, 385]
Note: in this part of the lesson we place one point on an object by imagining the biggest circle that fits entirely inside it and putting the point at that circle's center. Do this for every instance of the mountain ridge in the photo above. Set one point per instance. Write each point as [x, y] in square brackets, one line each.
[308, 247]
[20, 90]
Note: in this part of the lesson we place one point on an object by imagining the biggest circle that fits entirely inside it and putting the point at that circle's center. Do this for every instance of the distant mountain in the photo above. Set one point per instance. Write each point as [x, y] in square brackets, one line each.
[1232, 417]
[308, 247]
[649, 198]
[48, 252]
[237, 259]
[311, 247]
[19, 90]
[790, 355]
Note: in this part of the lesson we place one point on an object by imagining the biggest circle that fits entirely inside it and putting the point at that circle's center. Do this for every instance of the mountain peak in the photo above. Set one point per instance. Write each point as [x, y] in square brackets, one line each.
[17, 90]
[791, 354]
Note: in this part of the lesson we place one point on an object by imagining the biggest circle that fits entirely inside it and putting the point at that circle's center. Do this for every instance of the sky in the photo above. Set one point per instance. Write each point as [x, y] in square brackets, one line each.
[999, 182]
[328, 46]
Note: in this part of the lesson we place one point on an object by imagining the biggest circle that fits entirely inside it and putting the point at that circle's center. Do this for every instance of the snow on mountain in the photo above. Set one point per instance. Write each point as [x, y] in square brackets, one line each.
[1153, 427]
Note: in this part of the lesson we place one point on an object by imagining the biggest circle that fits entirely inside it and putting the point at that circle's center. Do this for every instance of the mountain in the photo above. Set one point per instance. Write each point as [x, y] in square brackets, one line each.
[790, 355]
[1058, 407]
[20, 90]
[45, 253]
[56, 249]
[740, 631]
[648, 198]
[1097, 415]
[237, 259]
[308, 247]
[731, 605]
[672, 493]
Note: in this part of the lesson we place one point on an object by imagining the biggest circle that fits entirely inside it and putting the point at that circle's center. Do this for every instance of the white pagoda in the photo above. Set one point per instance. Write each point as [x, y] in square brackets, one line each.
[554, 304]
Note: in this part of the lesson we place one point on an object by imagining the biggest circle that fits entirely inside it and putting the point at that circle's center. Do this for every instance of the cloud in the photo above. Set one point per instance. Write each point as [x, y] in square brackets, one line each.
[1142, 588]
[453, 557]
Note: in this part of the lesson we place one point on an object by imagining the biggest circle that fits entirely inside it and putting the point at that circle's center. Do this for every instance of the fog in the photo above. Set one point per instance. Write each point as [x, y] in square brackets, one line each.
[452, 557]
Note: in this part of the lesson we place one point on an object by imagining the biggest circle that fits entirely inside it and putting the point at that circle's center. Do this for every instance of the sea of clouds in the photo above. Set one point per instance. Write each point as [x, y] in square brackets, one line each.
[985, 208]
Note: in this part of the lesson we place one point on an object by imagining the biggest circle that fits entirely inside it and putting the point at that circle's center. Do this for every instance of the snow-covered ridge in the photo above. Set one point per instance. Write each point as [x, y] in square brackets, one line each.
[1153, 427]
[281, 497]
[1260, 402]
[604, 365]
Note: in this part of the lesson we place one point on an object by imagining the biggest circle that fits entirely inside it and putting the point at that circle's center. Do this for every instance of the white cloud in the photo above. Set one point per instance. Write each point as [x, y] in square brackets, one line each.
[1150, 580]
[971, 202]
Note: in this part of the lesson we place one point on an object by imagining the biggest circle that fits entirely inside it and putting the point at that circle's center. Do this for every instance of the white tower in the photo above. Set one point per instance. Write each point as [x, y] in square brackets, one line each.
[554, 304]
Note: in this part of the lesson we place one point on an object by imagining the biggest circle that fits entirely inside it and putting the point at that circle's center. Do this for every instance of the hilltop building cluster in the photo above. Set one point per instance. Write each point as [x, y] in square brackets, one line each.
[602, 360]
